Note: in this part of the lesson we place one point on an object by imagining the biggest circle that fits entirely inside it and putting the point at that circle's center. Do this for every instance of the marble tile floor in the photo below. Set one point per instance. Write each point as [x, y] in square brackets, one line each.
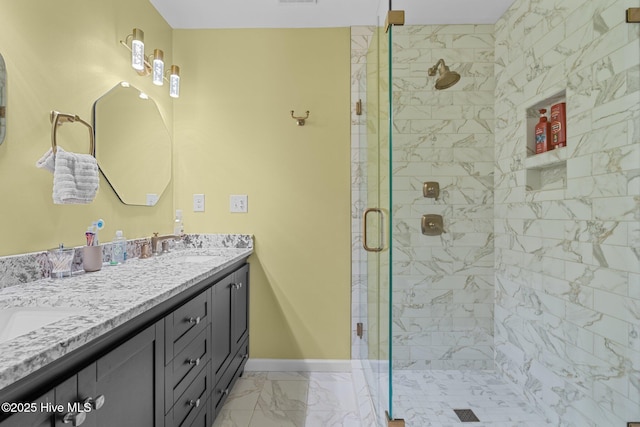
[291, 399]
[428, 398]
[330, 399]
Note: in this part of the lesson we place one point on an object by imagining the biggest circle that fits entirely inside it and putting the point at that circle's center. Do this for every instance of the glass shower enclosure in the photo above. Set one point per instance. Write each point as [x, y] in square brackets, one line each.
[375, 161]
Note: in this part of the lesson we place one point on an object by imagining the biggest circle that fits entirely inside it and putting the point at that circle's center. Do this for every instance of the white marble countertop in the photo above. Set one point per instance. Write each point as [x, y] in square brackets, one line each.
[110, 297]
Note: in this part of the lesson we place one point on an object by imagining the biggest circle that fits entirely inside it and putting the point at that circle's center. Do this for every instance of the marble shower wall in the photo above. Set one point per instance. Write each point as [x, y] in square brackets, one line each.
[567, 269]
[443, 286]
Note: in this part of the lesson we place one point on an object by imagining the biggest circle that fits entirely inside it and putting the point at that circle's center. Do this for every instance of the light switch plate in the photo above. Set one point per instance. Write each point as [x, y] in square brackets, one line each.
[238, 203]
[198, 202]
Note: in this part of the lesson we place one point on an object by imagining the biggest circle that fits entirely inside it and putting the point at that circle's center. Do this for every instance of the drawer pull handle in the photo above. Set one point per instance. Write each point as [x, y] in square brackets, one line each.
[194, 320]
[224, 392]
[236, 285]
[74, 419]
[245, 356]
[194, 403]
[96, 403]
[195, 362]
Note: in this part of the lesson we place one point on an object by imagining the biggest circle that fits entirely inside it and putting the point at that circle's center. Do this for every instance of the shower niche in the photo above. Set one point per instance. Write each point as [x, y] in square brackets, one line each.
[548, 170]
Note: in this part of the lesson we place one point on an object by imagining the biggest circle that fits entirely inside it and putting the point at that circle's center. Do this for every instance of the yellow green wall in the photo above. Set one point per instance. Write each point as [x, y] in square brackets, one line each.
[62, 55]
[234, 135]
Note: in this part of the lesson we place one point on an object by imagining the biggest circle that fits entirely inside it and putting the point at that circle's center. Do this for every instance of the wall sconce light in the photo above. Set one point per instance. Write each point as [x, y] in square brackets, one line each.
[153, 64]
[174, 81]
[158, 67]
[137, 49]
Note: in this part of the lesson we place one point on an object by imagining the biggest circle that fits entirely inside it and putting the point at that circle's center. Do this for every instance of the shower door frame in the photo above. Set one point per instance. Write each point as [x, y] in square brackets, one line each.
[373, 207]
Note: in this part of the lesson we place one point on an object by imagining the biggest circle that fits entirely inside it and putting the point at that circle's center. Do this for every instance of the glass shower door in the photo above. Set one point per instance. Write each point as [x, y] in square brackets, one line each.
[376, 219]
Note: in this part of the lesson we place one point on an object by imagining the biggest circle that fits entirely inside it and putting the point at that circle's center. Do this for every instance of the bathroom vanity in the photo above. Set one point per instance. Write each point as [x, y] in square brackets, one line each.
[157, 342]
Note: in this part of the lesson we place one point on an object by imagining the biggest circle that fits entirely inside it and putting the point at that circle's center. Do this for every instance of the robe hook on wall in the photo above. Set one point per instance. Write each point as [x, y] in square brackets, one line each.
[299, 120]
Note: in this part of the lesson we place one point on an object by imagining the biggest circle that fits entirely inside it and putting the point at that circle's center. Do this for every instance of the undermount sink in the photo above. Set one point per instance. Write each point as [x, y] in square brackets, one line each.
[199, 258]
[18, 321]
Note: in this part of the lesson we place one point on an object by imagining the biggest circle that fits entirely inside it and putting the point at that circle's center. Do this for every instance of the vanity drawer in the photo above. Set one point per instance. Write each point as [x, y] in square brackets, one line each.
[185, 323]
[187, 365]
[228, 379]
[190, 403]
[204, 418]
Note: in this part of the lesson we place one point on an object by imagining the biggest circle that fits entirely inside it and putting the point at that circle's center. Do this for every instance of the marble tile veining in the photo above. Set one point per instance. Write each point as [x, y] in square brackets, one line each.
[562, 252]
[451, 143]
[297, 399]
[565, 308]
[422, 399]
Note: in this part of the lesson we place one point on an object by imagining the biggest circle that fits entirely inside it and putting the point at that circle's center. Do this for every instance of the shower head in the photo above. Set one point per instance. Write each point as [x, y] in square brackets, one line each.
[447, 77]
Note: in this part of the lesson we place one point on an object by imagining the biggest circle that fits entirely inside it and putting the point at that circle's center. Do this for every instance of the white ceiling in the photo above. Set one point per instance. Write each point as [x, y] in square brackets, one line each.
[323, 13]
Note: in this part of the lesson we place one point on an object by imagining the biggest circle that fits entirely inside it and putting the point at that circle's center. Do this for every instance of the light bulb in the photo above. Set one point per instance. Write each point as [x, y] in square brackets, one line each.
[158, 67]
[174, 82]
[137, 49]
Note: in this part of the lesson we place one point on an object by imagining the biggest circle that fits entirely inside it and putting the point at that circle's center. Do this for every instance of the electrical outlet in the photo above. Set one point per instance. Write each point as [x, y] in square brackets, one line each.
[198, 202]
[238, 203]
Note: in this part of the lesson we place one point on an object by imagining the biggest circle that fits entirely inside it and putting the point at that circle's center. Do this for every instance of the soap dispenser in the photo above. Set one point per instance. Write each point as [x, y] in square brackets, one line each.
[118, 249]
[542, 133]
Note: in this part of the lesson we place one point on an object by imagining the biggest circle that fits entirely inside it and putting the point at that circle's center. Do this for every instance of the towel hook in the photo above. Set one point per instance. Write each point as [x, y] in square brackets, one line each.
[299, 120]
[57, 119]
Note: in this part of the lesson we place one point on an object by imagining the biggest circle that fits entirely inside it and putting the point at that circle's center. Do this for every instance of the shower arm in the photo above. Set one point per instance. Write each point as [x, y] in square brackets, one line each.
[432, 71]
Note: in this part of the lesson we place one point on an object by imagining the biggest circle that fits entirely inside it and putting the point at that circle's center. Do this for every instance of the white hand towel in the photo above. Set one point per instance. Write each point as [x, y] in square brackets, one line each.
[75, 176]
[47, 161]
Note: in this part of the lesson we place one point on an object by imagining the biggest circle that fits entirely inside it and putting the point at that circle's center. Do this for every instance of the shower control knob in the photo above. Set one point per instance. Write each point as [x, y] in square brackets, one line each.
[432, 225]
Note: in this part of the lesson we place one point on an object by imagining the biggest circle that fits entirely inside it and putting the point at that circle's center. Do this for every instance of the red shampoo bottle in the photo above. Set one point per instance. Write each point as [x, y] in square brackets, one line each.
[543, 131]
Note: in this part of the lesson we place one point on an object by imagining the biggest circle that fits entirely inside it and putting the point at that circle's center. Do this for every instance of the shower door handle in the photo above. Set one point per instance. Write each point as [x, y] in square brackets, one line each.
[364, 230]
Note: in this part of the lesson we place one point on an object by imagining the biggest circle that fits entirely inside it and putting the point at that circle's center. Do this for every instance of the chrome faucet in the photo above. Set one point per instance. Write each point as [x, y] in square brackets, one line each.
[155, 239]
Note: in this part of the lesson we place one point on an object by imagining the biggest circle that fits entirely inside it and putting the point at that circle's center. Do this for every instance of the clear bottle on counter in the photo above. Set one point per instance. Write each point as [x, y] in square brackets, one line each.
[178, 225]
[118, 249]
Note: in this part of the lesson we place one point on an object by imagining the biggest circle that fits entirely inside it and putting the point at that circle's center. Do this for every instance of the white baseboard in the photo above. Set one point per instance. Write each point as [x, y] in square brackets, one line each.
[298, 365]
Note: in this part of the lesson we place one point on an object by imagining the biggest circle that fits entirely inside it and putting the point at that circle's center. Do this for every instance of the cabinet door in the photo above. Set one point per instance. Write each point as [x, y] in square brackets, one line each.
[68, 402]
[37, 418]
[240, 307]
[221, 326]
[126, 385]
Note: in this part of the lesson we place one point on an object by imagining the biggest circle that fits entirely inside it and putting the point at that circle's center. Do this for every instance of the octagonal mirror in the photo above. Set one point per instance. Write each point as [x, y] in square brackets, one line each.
[133, 145]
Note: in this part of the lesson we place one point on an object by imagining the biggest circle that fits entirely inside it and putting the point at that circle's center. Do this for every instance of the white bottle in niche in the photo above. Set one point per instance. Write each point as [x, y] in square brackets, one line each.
[118, 249]
[178, 225]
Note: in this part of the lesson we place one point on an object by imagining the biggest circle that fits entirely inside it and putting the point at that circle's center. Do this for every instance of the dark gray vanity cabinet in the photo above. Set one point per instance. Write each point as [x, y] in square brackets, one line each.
[172, 367]
[230, 299]
[35, 418]
[221, 326]
[124, 387]
[188, 378]
[121, 388]
[240, 307]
